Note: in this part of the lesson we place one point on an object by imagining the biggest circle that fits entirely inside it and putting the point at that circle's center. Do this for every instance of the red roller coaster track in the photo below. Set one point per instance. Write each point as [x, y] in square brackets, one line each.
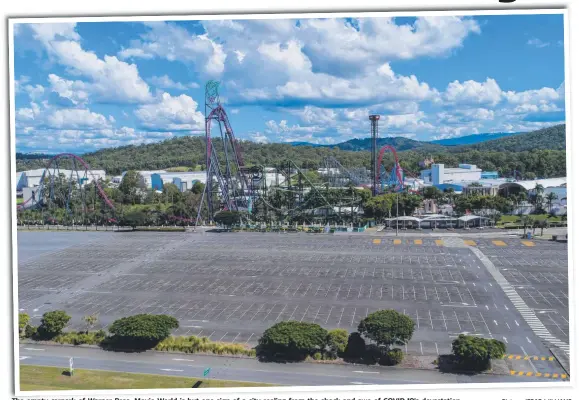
[87, 169]
[397, 166]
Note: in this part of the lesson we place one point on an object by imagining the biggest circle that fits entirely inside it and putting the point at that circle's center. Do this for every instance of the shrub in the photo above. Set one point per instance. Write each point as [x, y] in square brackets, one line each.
[30, 331]
[387, 328]
[475, 353]
[23, 320]
[293, 340]
[497, 348]
[337, 342]
[356, 346]
[317, 356]
[194, 344]
[142, 331]
[392, 357]
[52, 324]
[78, 338]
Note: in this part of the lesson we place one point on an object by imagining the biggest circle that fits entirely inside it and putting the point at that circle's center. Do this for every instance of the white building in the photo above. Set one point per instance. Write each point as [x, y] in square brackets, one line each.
[32, 178]
[438, 174]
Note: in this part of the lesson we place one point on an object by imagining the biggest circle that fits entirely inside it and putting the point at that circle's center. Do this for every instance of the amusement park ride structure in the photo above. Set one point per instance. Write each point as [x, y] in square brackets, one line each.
[230, 185]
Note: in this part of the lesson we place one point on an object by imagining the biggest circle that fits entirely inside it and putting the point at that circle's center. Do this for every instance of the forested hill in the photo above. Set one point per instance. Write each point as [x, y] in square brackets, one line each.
[399, 143]
[552, 138]
[528, 153]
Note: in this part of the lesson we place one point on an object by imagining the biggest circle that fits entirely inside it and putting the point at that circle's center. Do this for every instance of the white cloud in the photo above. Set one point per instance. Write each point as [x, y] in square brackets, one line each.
[537, 43]
[472, 92]
[534, 96]
[333, 42]
[75, 91]
[170, 113]
[175, 43]
[167, 83]
[76, 119]
[110, 80]
[48, 32]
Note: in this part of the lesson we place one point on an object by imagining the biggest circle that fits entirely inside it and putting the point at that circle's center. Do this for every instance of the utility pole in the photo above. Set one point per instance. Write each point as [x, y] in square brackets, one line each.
[375, 168]
[396, 213]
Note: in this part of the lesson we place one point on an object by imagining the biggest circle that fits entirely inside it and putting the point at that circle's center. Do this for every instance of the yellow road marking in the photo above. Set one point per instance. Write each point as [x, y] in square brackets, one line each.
[377, 241]
[439, 242]
[417, 241]
[528, 243]
[517, 357]
[397, 241]
[470, 242]
[539, 374]
[499, 243]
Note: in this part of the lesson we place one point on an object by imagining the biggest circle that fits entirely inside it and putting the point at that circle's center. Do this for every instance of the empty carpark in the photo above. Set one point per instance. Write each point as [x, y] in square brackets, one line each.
[232, 286]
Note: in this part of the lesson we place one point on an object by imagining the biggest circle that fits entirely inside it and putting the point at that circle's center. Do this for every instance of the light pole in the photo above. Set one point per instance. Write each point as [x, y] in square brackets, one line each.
[396, 213]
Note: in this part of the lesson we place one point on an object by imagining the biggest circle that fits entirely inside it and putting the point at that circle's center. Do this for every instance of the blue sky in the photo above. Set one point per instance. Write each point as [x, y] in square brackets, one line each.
[85, 86]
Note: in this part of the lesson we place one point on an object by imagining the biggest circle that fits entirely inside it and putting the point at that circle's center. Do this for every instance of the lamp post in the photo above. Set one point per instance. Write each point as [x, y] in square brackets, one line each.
[396, 213]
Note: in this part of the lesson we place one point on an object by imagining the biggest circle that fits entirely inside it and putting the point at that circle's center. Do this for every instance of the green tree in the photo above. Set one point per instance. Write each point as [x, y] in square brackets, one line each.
[543, 224]
[171, 193]
[90, 321]
[142, 331]
[52, 323]
[292, 340]
[228, 218]
[23, 320]
[134, 218]
[387, 328]
[527, 221]
[550, 198]
[198, 187]
[356, 346]
[130, 186]
[337, 341]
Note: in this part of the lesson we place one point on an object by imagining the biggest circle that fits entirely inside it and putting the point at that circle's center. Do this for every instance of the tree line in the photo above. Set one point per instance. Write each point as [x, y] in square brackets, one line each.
[539, 154]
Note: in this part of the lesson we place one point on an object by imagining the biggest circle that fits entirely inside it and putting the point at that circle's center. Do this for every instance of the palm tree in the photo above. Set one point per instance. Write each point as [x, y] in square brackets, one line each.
[526, 221]
[538, 196]
[543, 224]
[550, 198]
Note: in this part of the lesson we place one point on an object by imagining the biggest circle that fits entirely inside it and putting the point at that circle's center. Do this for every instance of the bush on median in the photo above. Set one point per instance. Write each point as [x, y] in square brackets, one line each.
[142, 331]
[292, 340]
[475, 353]
[52, 324]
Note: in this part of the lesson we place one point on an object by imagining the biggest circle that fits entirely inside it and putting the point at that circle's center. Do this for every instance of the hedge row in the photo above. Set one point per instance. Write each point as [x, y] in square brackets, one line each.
[374, 342]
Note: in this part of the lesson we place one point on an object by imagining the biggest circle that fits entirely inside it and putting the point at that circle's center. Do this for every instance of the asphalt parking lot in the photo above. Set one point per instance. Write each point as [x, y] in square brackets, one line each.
[232, 286]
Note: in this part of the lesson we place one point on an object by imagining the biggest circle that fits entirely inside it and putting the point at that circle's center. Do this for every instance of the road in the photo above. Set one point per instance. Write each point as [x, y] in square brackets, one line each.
[238, 369]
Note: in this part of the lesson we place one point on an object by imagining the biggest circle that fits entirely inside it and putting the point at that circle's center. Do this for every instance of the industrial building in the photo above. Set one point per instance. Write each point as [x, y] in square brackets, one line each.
[32, 178]
[183, 180]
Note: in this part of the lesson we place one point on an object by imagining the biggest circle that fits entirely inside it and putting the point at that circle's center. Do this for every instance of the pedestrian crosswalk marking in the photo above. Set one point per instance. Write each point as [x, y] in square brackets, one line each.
[417, 241]
[528, 243]
[499, 243]
[528, 315]
[377, 241]
[397, 241]
[439, 242]
[470, 242]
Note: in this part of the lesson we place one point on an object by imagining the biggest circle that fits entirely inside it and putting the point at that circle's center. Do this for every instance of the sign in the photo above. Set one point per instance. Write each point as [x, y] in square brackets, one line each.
[206, 371]
[71, 369]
